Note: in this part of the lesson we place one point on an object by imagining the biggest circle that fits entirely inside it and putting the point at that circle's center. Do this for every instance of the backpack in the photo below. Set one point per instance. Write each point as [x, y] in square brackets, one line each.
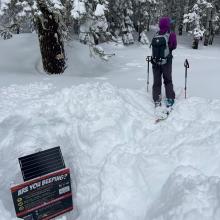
[160, 48]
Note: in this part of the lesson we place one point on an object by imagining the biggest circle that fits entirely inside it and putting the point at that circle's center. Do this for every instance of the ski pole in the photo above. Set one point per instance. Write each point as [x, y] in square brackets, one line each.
[186, 65]
[148, 70]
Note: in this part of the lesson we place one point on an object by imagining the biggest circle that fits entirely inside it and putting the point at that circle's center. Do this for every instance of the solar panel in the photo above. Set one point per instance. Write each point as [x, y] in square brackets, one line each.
[41, 163]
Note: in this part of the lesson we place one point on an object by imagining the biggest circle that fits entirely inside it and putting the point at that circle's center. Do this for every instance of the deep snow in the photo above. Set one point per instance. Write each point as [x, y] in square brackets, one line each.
[124, 166]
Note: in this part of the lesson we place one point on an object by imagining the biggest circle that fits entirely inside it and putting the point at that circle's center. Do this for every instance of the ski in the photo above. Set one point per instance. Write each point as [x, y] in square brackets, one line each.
[164, 111]
[164, 117]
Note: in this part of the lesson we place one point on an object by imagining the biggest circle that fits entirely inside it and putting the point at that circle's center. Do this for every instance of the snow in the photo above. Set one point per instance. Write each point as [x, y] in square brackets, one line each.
[144, 38]
[100, 10]
[78, 9]
[123, 165]
[3, 5]
[196, 197]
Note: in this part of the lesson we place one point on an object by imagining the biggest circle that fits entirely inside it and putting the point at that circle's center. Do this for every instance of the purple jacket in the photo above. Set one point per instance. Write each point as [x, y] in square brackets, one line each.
[165, 26]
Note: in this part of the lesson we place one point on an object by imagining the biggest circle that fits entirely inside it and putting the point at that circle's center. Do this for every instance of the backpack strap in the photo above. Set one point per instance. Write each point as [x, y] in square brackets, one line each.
[168, 36]
[156, 34]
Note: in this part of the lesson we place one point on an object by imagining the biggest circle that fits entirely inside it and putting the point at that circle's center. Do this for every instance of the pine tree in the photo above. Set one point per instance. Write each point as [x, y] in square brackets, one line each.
[212, 20]
[195, 19]
[11, 16]
[143, 14]
[120, 20]
[208, 25]
[91, 19]
[90, 16]
[17, 16]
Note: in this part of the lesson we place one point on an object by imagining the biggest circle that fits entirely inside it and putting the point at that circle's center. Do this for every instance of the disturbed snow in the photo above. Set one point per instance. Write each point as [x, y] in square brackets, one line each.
[124, 166]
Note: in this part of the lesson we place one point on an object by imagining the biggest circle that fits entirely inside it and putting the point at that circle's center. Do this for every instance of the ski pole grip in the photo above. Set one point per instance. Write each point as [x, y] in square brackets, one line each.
[186, 63]
[148, 58]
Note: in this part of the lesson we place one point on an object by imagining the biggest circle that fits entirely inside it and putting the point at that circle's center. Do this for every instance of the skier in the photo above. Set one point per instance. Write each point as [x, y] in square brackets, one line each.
[163, 43]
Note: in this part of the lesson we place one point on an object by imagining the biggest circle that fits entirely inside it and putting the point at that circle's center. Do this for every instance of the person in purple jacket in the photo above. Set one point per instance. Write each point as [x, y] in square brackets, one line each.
[164, 69]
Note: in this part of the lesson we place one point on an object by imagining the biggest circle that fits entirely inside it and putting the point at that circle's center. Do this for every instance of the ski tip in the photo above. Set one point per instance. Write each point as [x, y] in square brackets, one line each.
[158, 120]
[161, 119]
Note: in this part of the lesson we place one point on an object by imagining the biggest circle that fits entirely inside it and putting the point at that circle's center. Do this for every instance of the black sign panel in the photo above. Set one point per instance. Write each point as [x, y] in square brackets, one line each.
[41, 163]
[44, 197]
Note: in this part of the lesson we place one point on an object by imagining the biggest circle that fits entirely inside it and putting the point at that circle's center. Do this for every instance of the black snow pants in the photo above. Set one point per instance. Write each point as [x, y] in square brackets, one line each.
[164, 70]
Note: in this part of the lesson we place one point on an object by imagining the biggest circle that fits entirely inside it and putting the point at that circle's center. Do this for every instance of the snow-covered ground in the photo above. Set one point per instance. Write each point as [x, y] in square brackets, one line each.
[124, 166]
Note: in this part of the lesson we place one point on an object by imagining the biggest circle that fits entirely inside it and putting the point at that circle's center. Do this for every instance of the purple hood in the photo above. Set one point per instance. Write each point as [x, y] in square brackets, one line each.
[164, 25]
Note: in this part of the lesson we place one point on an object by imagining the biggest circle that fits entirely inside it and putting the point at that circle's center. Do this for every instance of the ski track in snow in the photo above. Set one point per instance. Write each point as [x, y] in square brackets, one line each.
[124, 166]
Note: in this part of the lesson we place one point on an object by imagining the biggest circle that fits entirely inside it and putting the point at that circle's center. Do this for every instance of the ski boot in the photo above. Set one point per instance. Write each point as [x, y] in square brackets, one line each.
[169, 102]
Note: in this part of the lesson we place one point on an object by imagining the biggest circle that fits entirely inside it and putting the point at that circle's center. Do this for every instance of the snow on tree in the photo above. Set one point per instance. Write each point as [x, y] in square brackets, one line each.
[143, 13]
[97, 21]
[63, 8]
[91, 20]
[120, 20]
[203, 21]
[195, 19]
[4, 33]
[143, 38]
[3, 6]
[10, 15]
[175, 9]
[17, 16]
[212, 23]
[92, 24]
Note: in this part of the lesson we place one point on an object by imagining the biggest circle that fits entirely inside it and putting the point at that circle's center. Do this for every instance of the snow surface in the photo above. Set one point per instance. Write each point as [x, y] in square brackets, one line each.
[124, 166]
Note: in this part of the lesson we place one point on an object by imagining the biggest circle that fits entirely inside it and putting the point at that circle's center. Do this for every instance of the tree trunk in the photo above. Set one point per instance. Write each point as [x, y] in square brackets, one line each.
[186, 11]
[208, 27]
[206, 39]
[180, 29]
[211, 39]
[195, 43]
[51, 44]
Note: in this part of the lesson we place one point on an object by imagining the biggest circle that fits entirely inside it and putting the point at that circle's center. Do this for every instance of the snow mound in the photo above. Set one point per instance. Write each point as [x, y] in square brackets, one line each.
[188, 195]
[122, 163]
[4, 214]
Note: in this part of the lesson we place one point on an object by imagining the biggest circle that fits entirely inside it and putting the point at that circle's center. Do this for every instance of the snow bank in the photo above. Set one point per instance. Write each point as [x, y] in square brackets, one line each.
[187, 195]
[124, 166]
[5, 214]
